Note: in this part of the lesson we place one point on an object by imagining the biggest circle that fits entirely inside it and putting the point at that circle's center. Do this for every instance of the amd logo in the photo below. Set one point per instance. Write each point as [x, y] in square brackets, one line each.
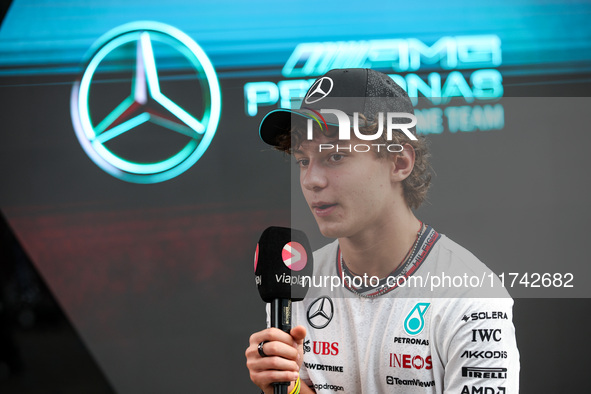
[482, 390]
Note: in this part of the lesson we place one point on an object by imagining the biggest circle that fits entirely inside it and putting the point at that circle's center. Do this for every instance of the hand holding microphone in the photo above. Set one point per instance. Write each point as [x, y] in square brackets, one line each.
[283, 259]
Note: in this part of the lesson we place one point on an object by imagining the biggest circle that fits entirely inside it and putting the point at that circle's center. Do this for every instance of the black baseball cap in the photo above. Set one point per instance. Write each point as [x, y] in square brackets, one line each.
[349, 90]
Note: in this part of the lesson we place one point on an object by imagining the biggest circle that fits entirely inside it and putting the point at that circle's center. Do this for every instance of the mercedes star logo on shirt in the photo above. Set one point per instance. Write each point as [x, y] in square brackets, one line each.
[320, 312]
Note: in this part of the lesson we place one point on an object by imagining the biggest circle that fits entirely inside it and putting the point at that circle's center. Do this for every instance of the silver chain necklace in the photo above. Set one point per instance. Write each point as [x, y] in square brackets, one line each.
[378, 291]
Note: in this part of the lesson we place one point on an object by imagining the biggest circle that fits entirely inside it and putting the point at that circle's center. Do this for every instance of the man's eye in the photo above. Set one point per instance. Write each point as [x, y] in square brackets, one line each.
[336, 157]
[302, 162]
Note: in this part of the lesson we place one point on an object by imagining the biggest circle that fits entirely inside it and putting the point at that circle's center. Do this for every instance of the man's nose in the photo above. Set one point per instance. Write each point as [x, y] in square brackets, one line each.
[314, 177]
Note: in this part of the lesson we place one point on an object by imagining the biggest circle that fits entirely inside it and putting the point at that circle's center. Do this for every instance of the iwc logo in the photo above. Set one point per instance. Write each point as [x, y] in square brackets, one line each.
[320, 312]
[137, 112]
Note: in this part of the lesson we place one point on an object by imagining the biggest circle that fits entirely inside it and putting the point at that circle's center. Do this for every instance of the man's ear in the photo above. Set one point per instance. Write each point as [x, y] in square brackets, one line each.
[403, 163]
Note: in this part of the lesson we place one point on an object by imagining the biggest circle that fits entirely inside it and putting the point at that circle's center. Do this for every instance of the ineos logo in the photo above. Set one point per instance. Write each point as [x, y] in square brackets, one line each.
[319, 90]
[410, 361]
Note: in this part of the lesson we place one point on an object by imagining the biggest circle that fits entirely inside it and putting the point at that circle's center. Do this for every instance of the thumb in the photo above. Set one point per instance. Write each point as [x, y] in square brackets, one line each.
[298, 333]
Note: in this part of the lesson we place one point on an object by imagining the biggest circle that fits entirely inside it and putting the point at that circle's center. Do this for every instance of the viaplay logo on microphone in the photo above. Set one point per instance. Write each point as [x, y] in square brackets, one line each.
[256, 257]
[283, 264]
[294, 256]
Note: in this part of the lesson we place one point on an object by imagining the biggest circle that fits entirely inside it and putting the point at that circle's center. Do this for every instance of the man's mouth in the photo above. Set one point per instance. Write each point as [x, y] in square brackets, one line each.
[322, 208]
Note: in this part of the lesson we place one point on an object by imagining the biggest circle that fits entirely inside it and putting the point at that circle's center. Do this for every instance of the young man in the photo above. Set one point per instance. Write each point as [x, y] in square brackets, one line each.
[400, 320]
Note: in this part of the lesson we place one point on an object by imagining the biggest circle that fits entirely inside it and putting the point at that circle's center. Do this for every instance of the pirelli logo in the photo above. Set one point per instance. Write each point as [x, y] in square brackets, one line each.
[484, 373]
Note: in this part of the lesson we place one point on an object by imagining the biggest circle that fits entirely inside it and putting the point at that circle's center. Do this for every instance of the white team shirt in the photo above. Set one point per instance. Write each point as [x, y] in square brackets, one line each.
[410, 339]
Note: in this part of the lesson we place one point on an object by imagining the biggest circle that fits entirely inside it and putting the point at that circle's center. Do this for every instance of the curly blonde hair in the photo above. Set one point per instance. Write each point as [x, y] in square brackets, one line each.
[415, 186]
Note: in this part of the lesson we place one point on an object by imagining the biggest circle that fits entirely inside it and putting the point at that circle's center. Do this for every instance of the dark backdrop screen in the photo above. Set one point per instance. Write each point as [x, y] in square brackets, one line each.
[143, 222]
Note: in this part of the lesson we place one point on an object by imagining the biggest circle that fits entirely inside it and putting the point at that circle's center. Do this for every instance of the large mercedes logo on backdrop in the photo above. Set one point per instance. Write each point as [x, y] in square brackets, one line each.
[146, 135]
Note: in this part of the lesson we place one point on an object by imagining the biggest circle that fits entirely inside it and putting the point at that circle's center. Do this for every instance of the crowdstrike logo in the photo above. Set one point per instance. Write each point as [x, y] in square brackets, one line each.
[324, 367]
[319, 90]
[119, 133]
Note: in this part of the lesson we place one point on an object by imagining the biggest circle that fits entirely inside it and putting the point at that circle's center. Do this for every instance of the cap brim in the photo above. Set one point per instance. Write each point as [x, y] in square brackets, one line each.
[278, 123]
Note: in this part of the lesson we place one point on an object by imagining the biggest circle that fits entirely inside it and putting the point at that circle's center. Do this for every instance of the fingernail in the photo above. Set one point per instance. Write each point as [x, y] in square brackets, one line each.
[295, 376]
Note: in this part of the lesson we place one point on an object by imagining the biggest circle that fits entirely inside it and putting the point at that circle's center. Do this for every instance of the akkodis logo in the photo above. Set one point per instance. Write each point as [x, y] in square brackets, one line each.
[137, 112]
[415, 322]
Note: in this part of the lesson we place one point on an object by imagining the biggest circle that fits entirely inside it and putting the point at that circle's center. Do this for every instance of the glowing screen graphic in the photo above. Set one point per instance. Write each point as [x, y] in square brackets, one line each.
[146, 103]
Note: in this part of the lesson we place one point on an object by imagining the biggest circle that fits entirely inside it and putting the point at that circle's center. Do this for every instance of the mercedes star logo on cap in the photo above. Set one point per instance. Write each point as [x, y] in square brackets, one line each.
[319, 90]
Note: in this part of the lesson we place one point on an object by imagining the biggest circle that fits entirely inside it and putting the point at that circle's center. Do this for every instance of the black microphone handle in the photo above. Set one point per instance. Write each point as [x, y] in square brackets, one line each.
[281, 314]
[281, 319]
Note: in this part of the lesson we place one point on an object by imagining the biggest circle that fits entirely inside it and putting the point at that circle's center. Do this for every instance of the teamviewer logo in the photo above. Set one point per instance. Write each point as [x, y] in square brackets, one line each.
[145, 135]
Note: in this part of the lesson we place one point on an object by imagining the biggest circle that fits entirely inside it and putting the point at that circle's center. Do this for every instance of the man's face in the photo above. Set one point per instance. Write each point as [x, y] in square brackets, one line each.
[349, 193]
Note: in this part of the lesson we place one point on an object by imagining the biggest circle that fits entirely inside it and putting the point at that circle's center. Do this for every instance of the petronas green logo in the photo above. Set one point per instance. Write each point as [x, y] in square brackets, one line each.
[415, 322]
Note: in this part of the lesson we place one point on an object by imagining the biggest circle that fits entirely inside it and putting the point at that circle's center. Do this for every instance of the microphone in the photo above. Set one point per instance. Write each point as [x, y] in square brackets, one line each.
[283, 266]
